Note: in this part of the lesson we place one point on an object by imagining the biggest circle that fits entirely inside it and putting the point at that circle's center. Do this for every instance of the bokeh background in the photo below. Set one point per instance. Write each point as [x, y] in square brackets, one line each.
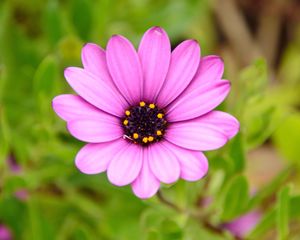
[44, 197]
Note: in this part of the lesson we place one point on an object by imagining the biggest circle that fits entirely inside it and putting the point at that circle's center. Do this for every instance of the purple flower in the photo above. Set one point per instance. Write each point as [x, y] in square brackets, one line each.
[5, 233]
[13, 164]
[146, 115]
[241, 226]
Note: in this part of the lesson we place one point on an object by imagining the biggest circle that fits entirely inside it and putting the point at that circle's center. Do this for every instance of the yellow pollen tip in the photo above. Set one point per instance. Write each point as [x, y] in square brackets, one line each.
[127, 113]
[145, 139]
[150, 138]
[125, 122]
[135, 136]
[158, 133]
[152, 105]
[142, 104]
[160, 115]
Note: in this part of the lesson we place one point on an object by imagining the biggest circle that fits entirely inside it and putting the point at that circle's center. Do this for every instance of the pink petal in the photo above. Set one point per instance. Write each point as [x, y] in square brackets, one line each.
[94, 158]
[228, 124]
[96, 91]
[196, 135]
[71, 107]
[94, 61]
[146, 184]
[163, 163]
[198, 101]
[96, 130]
[193, 164]
[184, 64]
[126, 165]
[155, 53]
[125, 68]
[210, 69]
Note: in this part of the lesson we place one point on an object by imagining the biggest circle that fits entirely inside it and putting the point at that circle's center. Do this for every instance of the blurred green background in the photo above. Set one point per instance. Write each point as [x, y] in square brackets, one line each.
[43, 196]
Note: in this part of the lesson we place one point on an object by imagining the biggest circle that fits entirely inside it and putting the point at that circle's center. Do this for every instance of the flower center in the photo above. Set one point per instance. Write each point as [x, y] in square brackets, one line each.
[144, 124]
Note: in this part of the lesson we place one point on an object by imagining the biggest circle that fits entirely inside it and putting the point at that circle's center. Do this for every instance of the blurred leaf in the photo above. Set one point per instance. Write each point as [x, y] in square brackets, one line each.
[237, 153]
[254, 79]
[45, 76]
[287, 138]
[289, 71]
[69, 50]
[4, 137]
[52, 22]
[170, 230]
[38, 224]
[81, 15]
[264, 225]
[287, 208]
[235, 198]
[283, 203]
[13, 213]
[294, 207]
[13, 183]
[268, 190]
[193, 230]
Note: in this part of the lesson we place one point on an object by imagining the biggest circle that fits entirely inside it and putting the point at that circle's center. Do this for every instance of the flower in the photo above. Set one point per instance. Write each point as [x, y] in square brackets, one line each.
[147, 115]
[241, 226]
[5, 233]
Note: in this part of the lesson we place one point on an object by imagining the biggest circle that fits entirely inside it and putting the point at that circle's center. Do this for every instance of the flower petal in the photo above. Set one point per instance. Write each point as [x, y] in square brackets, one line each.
[96, 130]
[126, 165]
[94, 158]
[193, 164]
[198, 101]
[210, 69]
[94, 61]
[71, 107]
[125, 68]
[163, 163]
[146, 184]
[155, 53]
[196, 135]
[228, 124]
[96, 91]
[184, 64]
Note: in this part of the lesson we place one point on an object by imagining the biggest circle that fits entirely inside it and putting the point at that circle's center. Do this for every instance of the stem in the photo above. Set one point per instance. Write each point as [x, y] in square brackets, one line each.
[201, 218]
[167, 202]
[234, 26]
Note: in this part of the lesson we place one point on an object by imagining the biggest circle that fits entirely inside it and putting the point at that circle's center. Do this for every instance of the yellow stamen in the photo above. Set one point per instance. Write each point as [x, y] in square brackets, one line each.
[142, 104]
[150, 138]
[135, 136]
[145, 139]
[158, 133]
[127, 112]
[125, 122]
[152, 105]
[160, 115]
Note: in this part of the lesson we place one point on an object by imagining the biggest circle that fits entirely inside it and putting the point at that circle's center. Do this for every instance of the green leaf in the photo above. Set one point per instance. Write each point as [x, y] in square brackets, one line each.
[287, 138]
[264, 225]
[268, 190]
[237, 153]
[170, 230]
[235, 198]
[283, 213]
[254, 78]
[295, 207]
[45, 76]
[52, 22]
[193, 230]
[81, 16]
[4, 137]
